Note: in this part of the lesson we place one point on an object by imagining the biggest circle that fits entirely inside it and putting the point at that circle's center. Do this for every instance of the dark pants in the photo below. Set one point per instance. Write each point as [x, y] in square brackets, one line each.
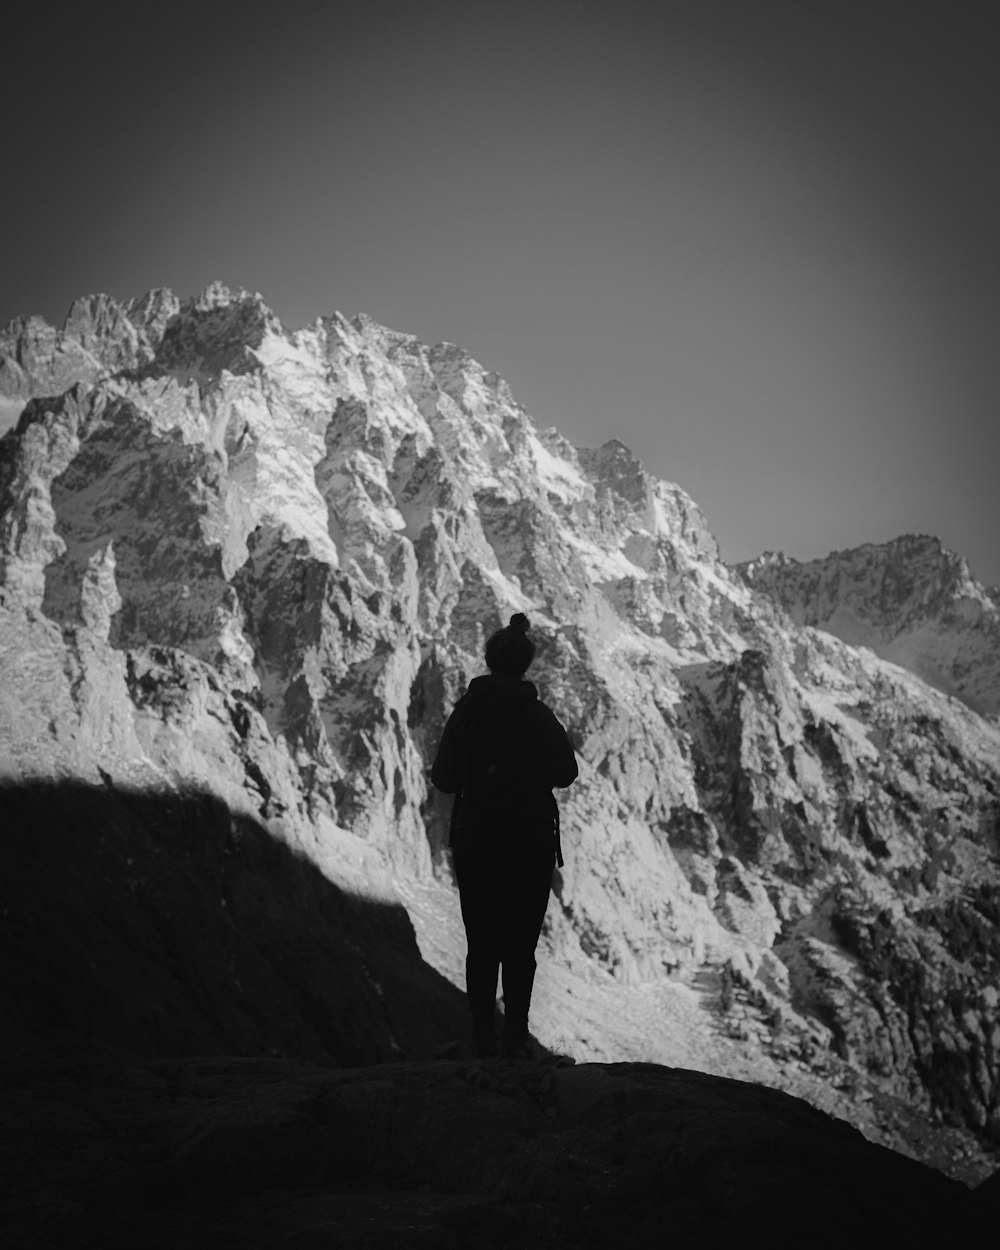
[504, 890]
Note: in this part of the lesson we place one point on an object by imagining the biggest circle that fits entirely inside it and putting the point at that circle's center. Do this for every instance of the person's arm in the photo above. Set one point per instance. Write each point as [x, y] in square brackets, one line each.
[446, 771]
[562, 765]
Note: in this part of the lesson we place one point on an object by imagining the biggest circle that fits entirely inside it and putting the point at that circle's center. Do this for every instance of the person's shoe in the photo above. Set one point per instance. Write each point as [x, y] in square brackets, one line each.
[520, 1047]
[484, 1043]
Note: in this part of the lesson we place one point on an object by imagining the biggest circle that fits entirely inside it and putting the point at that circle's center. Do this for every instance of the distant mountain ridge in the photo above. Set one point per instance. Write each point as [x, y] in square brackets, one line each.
[262, 563]
[911, 601]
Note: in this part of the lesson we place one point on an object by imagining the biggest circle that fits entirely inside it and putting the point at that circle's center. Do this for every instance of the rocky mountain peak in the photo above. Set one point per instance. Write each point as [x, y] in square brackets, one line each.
[375, 332]
[195, 339]
[151, 312]
[103, 327]
[614, 466]
[911, 600]
[262, 564]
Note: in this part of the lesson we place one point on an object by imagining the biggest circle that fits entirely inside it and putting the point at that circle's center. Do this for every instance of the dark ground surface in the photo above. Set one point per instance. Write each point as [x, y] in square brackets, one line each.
[104, 1150]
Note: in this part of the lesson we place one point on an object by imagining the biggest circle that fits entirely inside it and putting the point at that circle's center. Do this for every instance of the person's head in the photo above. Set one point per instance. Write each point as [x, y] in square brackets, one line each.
[509, 651]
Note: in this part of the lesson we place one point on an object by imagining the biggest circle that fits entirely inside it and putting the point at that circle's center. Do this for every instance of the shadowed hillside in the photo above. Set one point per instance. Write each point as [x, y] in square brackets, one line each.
[166, 925]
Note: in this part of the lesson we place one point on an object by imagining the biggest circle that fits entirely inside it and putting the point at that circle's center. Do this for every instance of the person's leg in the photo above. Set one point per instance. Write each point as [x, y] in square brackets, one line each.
[526, 898]
[479, 896]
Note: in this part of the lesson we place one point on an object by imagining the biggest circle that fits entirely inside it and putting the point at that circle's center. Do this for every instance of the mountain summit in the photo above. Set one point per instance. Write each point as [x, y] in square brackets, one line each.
[911, 600]
[262, 564]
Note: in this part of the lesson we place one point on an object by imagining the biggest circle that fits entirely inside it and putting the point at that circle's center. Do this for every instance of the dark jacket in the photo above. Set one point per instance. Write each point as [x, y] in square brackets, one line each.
[555, 759]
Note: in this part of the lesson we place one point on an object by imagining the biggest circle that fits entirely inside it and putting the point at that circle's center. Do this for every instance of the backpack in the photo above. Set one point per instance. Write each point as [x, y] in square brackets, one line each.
[503, 768]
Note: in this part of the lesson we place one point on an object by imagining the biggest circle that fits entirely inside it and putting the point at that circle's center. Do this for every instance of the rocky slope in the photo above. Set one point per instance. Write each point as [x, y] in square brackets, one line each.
[260, 565]
[911, 601]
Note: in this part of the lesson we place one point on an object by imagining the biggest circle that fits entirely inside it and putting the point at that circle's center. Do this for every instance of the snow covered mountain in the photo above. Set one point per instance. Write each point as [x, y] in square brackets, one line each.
[262, 563]
[911, 601]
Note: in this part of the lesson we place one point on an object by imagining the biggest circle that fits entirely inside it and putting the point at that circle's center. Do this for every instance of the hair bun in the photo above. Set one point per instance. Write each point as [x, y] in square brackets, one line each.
[509, 651]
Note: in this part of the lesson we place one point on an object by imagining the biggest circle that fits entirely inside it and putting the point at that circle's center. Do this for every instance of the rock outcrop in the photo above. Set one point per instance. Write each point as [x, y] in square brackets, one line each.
[260, 565]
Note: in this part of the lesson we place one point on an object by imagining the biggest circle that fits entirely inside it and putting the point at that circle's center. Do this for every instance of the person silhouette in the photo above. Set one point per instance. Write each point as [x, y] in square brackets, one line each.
[501, 753]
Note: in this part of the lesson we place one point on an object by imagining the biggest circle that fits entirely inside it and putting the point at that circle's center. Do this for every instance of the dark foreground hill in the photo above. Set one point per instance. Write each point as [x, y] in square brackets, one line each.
[207, 1044]
[104, 1150]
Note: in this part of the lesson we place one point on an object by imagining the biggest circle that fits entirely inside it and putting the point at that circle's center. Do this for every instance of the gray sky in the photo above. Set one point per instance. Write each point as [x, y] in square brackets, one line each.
[756, 241]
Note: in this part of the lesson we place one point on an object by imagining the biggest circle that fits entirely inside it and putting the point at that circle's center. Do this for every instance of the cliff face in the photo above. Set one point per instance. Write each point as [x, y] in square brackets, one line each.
[263, 564]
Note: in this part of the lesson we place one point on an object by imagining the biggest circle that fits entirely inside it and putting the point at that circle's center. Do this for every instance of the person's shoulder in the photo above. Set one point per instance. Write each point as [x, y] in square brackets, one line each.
[548, 717]
[545, 709]
[479, 688]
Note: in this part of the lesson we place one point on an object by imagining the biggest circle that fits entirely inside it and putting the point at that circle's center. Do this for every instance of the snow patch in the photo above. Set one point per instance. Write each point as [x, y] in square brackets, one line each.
[558, 476]
[10, 412]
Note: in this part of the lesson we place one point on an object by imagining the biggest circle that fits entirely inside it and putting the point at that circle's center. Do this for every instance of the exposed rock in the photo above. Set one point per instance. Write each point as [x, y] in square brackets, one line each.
[260, 565]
